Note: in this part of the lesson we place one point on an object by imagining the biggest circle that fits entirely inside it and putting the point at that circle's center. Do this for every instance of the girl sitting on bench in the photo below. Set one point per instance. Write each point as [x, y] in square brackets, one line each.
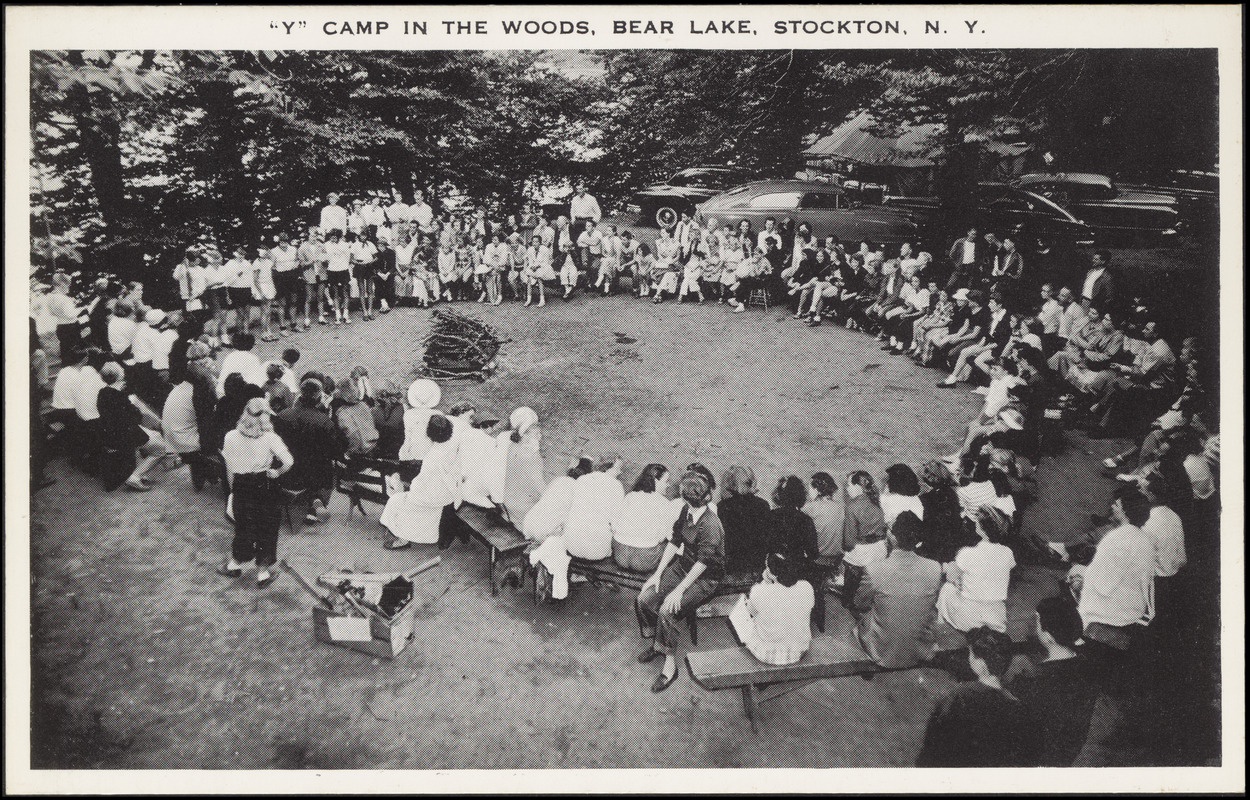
[781, 609]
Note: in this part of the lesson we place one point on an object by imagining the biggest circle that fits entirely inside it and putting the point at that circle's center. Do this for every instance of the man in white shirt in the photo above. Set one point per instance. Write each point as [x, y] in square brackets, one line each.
[770, 234]
[87, 389]
[685, 237]
[397, 213]
[66, 385]
[584, 207]
[1071, 318]
[421, 213]
[121, 328]
[311, 256]
[1116, 590]
[374, 216]
[333, 216]
[338, 276]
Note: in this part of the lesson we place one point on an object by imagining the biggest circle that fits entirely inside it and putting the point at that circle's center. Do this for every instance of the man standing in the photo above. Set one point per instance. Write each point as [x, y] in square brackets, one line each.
[398, 213]
[980, 724]
[421, 213]
[311, 256]
[333, 216]
[583, 207]
[1059, 692]
[685, 237]
[965, 256]
[192, 282]
[374, 217]
[897, 601]
[1098, 289]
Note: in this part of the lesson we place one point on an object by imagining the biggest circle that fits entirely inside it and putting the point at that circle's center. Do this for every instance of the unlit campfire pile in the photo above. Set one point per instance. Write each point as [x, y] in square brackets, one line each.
[460, 347]
[371, 595]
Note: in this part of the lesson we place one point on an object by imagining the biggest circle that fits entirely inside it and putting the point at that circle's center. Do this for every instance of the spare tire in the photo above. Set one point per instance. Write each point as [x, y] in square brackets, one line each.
[666, 216]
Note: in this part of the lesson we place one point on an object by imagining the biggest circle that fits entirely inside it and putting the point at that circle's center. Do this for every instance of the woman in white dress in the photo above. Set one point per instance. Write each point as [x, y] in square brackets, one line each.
[547, 517]
[417, 515]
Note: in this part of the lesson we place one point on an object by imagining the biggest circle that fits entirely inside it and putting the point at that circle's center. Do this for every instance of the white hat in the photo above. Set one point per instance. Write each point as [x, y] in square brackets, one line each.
[962, 294]
[154, 317]
[424, 393]
[523, 419]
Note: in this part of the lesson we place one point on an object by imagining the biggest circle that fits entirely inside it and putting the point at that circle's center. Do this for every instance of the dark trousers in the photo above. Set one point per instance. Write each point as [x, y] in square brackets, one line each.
[257, 515]
[663, 624]
[385, 288]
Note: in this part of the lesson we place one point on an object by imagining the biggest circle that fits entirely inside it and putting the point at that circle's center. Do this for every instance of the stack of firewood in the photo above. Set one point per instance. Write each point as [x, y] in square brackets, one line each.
[460, 347]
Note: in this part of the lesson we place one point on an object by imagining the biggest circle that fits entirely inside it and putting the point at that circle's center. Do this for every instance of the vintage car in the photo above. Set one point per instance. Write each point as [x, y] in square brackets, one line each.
[1006, 211]
[663, 203]
[824, 206]
[1107, 208]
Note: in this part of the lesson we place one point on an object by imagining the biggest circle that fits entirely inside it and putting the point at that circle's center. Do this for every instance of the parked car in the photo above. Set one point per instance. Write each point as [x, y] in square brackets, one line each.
[1107, 208]
[662, 203]
[1005, 210]
[1198, 192]
[824, 206]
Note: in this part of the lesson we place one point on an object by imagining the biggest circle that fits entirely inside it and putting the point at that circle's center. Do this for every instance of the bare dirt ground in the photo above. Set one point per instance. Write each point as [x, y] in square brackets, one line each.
[144, 658]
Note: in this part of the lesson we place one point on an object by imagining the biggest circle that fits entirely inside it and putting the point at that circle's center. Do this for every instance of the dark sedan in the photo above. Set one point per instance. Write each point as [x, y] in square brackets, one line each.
[1005, 210]
[662, 203]
[1107, 208]
[824, 206]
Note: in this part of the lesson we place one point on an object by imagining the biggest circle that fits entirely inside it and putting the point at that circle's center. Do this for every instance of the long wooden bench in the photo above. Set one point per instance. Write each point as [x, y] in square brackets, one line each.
[505, 543]
[828, 657]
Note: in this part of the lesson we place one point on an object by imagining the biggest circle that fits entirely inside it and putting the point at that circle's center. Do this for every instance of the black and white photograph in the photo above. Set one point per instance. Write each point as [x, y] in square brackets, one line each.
[624, 399]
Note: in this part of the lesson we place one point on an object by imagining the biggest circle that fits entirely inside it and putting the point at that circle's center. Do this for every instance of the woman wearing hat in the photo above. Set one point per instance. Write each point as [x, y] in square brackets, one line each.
[518, 480]
[692, 565]
[255, 457]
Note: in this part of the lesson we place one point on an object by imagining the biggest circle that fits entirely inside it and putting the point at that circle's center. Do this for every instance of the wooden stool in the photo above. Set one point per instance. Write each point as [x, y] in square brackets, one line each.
[758, 297]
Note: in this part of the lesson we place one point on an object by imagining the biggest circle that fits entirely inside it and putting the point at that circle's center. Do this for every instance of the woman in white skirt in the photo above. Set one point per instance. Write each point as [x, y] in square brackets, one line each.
[975, 593]
[418, 514]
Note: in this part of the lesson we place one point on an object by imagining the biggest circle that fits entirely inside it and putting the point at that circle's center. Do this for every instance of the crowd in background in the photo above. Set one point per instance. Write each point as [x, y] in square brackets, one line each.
[1048, 349]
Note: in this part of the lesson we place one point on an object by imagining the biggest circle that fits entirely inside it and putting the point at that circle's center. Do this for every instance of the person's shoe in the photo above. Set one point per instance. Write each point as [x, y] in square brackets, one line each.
[347, 319]
[320, 510]
[945, 385]
[311, 519]
[662, 682]
[338, 320]
[1125, 477]
[225, 571]
[321, 320]
[264, 582]
[814, 322]
[137, 485]
[1112, 463]
[402, 544]
[649, 655]
[386, 308]
[527, 302]
[657, 300]
[739, 308]
[542, 302]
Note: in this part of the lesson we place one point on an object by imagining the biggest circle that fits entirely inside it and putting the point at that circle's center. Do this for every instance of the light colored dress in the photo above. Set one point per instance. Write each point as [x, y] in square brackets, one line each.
[597, 499]
[414, 515]
[547, 516]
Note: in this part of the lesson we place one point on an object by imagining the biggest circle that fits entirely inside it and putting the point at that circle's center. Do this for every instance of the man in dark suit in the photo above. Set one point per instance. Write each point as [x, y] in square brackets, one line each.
[897, 601]
[1098, 289]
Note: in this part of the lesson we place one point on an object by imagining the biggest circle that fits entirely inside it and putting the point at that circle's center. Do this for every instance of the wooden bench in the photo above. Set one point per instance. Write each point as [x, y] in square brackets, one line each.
[828, 657]
[505, 543]
[363, 479]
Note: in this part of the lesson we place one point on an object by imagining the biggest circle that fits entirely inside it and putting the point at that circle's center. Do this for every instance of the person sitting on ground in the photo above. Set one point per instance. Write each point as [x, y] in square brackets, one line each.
[744, 516]
[277, 393]
[780, 606]
[645, 522]
[1115, 593]
[128, 425]
[547, 517]
[597, 500]
[863, 531]
[1058, 692]
[690, 569]
[243, 361]
[316, 443]
[980, 724]
[424, 513]
[896, 600]
[900, 491]
[975, 593]
[1003, 380]
[944, 531]
[355, 420]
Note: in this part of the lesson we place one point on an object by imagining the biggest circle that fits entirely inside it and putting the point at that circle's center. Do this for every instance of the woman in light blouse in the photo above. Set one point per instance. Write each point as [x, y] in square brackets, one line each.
[255, 457]
[976, 589]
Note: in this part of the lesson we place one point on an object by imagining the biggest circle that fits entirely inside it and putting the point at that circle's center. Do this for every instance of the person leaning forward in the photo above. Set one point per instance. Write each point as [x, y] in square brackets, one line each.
[691, 567]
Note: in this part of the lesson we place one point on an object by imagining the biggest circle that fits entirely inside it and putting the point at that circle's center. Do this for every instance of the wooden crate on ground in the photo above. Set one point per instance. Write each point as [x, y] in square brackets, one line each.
[370, 635]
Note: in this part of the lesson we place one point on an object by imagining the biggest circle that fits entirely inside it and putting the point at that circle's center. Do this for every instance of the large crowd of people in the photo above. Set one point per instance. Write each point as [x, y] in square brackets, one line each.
[918, 544]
